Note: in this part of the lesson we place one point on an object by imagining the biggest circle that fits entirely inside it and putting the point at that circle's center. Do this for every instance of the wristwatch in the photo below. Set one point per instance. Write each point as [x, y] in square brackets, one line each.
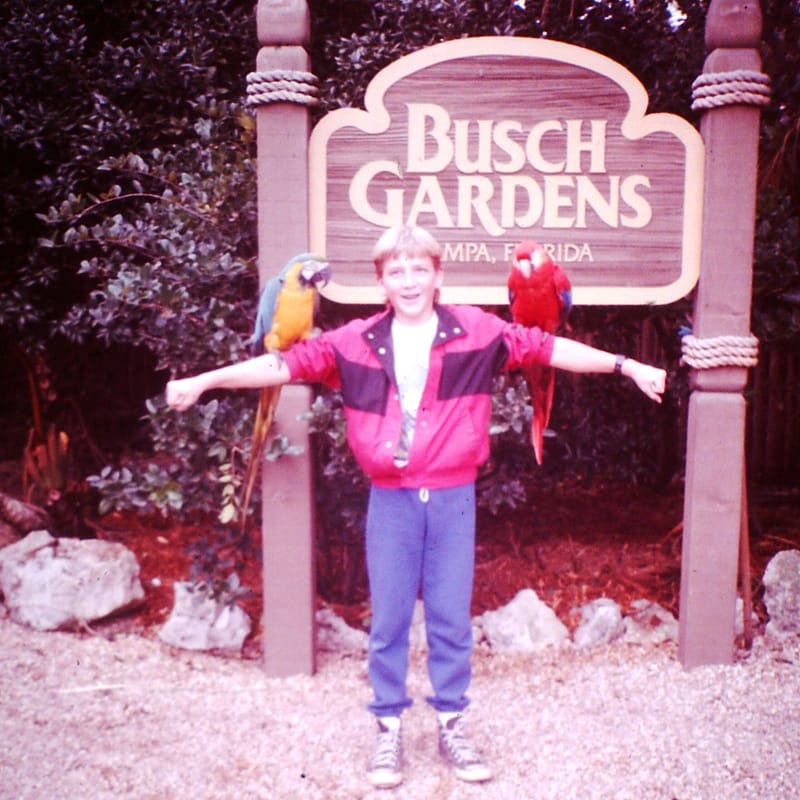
[619, 360]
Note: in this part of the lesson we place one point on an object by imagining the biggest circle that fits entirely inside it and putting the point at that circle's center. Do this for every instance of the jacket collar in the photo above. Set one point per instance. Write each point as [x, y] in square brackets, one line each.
[379, 335]
[450, 327]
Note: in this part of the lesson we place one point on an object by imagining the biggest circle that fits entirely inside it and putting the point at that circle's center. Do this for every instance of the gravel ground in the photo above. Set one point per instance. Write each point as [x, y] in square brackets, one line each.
[87, 717]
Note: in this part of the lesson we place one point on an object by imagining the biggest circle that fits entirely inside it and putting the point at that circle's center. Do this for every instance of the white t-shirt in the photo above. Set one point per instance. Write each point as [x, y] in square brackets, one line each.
[412, 350]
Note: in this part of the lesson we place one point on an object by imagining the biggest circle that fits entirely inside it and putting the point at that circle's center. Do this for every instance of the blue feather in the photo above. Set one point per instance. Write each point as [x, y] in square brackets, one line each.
[566, 299]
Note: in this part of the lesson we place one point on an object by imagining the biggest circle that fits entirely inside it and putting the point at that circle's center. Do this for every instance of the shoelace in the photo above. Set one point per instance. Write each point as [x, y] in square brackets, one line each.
[387, 751]
[457, 744]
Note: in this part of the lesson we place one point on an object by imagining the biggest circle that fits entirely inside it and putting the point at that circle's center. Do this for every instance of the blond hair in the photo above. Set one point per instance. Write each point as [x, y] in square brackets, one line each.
[406, 240]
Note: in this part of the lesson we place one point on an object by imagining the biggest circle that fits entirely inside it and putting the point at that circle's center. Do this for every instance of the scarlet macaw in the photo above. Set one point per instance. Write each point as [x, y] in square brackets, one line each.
[540, 295]
[285, 316]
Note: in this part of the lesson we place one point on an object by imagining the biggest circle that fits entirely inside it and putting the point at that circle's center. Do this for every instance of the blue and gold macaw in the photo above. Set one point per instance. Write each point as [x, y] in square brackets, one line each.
[285, 316]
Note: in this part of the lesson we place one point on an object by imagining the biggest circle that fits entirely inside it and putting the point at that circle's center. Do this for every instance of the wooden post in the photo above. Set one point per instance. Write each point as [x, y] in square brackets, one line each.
[716, 426]
[282, 137]
[288, 546]
[287, 527]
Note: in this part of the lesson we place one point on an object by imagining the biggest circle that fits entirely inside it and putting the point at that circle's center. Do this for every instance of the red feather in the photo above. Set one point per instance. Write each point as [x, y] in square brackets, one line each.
[540, 296]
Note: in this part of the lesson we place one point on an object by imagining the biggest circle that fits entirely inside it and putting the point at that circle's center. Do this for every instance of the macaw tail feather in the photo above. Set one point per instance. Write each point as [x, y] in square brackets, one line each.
[265, 414]
[541, 382]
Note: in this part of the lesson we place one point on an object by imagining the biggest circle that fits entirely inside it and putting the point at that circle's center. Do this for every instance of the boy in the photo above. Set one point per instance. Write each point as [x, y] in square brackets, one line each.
[416, 381]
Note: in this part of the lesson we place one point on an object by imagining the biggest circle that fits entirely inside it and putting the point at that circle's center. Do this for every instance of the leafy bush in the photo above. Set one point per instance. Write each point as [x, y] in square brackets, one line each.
[215, 563]
[351, 41]
[776, 279]
[82, 85]
[169, 249]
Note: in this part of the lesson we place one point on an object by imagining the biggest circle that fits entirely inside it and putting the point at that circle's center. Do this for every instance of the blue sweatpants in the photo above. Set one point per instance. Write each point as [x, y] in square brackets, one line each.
[420, 540]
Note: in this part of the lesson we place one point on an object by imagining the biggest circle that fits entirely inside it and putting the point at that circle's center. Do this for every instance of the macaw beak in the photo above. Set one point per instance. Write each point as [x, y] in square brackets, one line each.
[315, 273]
[325, 274]
[524, 266]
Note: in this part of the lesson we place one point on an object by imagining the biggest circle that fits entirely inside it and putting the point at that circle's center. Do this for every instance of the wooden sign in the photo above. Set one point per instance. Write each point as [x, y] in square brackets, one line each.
[492, 140]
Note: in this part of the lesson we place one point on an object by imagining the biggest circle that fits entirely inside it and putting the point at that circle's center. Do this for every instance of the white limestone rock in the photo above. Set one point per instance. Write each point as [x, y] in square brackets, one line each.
[50, 583]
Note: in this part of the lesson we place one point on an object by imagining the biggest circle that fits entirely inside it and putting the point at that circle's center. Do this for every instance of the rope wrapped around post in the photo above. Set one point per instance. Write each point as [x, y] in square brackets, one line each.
[719, 351]
[282, 86]
[740, 87]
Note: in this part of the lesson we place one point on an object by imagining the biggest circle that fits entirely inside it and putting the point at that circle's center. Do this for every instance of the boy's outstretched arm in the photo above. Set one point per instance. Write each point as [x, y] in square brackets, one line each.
[577, 357]
[255, 373]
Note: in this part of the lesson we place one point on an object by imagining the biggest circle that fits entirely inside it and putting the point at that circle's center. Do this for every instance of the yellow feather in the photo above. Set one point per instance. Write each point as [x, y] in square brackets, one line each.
[293, 319]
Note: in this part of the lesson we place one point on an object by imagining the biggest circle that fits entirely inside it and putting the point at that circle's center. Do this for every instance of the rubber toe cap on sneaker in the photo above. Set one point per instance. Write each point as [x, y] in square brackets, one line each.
[385, 778]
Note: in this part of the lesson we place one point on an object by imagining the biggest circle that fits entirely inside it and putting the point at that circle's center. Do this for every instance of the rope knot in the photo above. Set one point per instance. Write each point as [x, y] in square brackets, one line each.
[719, 351]
[282, 86]
[740, 87]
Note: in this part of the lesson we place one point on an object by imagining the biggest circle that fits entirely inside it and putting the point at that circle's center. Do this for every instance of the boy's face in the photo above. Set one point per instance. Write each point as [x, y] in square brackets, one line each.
[410, 284]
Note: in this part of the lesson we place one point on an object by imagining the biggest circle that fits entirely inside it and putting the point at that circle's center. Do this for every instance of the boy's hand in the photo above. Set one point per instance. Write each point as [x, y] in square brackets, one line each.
[651, 380]
[184, 393]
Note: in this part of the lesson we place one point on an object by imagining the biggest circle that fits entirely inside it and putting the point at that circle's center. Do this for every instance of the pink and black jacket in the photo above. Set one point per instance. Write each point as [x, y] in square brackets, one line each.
[451, 438]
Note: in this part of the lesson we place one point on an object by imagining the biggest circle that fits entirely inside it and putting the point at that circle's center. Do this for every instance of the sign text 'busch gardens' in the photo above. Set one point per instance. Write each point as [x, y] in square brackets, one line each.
[491, 161]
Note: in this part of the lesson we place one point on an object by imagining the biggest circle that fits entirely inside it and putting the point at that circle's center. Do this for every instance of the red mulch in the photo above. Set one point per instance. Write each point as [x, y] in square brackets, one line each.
[571, 546]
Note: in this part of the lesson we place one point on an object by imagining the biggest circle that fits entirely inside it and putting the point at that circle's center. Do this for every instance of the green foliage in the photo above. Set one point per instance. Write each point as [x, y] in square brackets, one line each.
[352, 41]
[776, 280]
[343, 488]
[502, 480]
[341, 491]
[215, 561]
[130, 190]
[776, 283]
[168, 245]
[197, 465]
[352, 48]
[83, 83]
[169, 249]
